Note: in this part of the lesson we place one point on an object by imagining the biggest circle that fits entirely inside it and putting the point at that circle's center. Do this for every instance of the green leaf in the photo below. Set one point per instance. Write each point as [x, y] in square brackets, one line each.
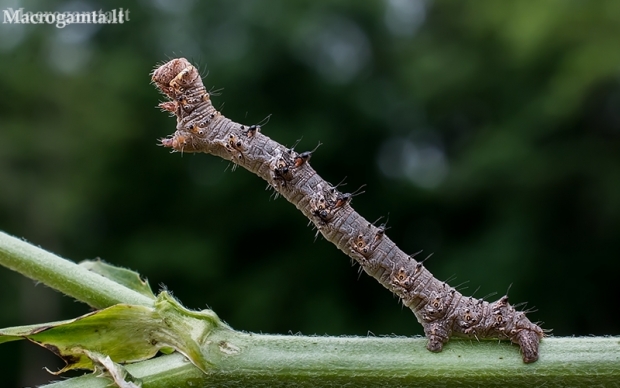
[124, 276]
[125, 333]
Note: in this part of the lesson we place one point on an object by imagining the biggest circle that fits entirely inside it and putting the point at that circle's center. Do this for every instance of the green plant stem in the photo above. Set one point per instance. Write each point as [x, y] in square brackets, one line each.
[64, 275]
[272, 360]
[243, 359]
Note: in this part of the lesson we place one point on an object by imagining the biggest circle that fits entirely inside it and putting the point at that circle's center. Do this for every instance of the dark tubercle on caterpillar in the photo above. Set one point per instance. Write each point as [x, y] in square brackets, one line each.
[442, 310]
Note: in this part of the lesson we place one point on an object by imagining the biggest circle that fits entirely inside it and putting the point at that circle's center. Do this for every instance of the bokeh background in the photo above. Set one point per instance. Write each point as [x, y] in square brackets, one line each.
[488, 132]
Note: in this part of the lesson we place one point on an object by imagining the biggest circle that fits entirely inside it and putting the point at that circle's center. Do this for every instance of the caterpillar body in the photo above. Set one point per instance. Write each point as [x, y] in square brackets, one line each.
[441, 309]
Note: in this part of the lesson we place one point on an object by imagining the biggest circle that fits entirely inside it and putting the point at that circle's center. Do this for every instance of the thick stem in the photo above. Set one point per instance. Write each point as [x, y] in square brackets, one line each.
[64, 275]
[284, 361]
[254, 359]
[442, 310]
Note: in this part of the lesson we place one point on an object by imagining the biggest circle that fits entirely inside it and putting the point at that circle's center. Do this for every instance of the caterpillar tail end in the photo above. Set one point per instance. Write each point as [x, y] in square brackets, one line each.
[528, 341]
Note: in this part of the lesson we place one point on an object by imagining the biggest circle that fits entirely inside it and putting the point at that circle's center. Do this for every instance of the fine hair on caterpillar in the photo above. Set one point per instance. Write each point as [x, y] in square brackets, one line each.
[441, 309]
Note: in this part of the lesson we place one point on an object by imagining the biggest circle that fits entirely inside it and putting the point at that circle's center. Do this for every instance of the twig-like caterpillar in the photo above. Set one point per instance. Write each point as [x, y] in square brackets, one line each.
[441, 309]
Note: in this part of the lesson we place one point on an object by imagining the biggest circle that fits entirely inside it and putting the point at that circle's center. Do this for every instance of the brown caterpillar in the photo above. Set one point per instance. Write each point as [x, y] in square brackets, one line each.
[441, 309]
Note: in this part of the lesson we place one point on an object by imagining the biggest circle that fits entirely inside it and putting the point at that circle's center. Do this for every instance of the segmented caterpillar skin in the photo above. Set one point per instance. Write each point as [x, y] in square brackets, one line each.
[442, 310]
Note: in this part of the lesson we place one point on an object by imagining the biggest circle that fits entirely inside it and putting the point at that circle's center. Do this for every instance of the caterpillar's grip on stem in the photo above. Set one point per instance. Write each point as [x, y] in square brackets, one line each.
[441, 309]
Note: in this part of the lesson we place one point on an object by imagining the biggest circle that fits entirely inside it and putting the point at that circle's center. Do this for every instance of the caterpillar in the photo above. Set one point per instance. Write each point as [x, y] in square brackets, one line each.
[441, 309]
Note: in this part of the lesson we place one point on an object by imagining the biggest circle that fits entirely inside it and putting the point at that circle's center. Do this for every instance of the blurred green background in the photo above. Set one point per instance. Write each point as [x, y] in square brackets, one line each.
[488, 131]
